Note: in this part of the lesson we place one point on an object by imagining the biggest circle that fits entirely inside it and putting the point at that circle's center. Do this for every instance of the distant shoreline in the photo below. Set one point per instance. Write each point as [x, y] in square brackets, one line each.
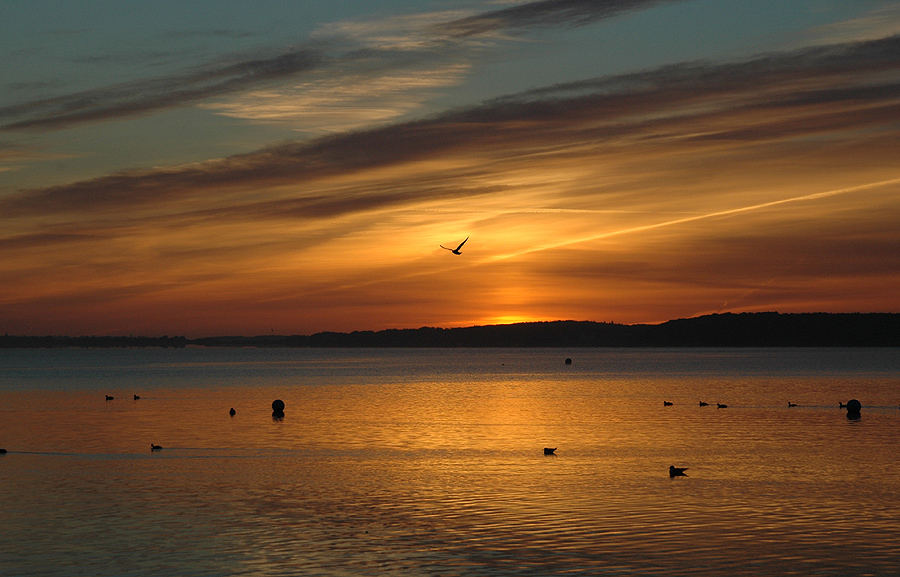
[767, 329]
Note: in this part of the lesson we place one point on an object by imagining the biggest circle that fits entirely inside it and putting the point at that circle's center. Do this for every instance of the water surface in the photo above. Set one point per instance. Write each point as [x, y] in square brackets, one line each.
[430, 462]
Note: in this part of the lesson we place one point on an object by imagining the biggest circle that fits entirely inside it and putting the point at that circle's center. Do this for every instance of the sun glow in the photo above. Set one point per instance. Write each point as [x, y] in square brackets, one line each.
[511, 319]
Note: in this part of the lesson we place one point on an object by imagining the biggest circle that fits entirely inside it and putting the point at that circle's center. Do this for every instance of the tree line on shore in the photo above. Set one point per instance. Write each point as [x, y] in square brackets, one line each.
[716, 330]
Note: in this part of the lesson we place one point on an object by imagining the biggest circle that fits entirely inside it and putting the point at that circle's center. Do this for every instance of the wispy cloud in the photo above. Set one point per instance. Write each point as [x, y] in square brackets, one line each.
[878, 23]
[341, 103]
[13, 156]
[692, 184]
[543, 13]
[395, 47]
[142, 96]
[791, 95]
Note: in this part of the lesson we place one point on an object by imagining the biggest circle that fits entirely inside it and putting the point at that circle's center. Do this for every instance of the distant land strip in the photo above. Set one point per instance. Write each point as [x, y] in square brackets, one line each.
[766, 329]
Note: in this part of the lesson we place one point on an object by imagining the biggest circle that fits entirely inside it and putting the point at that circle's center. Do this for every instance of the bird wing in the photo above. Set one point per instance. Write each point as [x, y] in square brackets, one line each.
[462, 243]
[445, 248]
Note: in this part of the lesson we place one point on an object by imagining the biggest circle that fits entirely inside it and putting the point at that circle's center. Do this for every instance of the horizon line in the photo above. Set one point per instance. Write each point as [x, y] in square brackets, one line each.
[348, 332]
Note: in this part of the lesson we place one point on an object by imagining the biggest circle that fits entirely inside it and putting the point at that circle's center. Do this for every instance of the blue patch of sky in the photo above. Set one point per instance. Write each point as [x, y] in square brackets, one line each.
[712, 30]
[56, 47]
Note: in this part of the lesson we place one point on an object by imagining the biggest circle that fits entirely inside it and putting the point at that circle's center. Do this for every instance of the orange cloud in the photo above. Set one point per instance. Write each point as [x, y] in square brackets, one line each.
[763, 184]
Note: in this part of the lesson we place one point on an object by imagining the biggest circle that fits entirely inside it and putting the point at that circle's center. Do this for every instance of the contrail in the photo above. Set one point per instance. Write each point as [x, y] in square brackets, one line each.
[718, 213]
[642, 228]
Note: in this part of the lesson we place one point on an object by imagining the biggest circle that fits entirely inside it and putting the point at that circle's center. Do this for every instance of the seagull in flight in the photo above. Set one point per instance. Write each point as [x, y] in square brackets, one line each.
[455, 250]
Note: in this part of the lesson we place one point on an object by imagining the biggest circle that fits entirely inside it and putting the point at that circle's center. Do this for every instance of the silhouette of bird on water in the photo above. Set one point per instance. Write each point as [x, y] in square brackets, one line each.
[232, 412]
[668, 403]
[677, 471]
[155, 447]
[721, 406]
[455, 250]
[550, 450]
[704, 404]
[790, 404]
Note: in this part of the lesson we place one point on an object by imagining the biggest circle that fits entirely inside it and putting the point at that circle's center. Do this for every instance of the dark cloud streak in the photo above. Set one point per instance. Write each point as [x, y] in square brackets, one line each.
[145, 96]
[542, 14]
[596, 110]
[140, 97]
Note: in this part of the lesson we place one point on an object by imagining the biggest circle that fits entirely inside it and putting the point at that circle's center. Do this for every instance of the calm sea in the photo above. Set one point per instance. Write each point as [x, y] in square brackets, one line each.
[430, 462]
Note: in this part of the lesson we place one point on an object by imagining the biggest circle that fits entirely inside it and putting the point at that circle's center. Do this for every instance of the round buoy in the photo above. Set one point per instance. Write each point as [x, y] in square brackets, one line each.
[278, 409]
[853, 409]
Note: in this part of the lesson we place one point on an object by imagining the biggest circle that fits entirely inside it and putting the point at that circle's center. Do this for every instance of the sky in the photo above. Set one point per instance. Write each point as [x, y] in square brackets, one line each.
[207, 168]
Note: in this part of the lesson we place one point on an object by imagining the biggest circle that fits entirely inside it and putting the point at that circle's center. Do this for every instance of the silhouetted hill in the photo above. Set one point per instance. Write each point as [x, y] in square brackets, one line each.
[718, 330]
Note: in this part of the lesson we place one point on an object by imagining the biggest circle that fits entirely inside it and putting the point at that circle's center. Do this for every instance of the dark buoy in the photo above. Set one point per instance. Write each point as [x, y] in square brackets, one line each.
[853, 409]
[568, 361]
[277, 409]
[232, 411]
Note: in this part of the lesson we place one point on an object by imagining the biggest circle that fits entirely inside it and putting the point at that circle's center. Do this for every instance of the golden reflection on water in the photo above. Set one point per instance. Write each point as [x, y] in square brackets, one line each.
[448, 477]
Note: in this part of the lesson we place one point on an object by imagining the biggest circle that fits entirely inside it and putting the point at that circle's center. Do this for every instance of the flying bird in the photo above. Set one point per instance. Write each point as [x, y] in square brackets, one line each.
[455, 250]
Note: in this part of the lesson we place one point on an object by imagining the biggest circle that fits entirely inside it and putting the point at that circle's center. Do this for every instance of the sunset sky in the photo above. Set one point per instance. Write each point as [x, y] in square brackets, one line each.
[228, 167]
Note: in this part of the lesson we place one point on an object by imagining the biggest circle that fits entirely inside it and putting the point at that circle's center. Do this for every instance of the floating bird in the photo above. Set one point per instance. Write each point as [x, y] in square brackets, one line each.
[704, 404]
[2, 451]
[549, 451]
[790, 404]
[455, 250]
[668, 403]
[155, 447]
[842, 405]
[232, 411]
[109, 397]
[721, 406]
[677, 471]
[136, 397]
